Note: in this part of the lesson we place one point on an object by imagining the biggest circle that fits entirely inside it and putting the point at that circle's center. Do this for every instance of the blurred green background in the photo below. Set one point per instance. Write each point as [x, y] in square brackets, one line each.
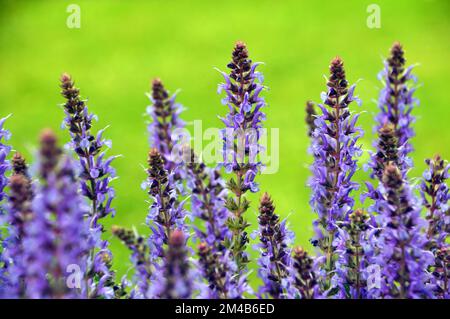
[122, 45]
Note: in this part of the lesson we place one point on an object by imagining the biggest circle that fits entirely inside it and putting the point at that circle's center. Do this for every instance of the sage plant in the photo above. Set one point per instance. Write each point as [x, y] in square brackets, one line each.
[335, 150]
[56, 238]
[165, 214]
[305, 281]
[96, 175]
[352, 262]
[275, 259]
[240, 149]
[219, 270]
[4, 163]
[140, 257]
[4, 169]
[18, 217]
[176, 281]
[396, 103]
[164, 130]
[208, 203]
[402, 257]
[435, 195]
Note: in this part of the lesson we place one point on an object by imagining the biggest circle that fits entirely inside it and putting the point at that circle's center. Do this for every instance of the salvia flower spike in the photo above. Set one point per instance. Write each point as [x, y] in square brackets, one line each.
[240, 148]
[176, 281]
[305, 280]
[19, 215]
[275, 258]
[165, 214]
[219, 271]
[208, 203]
[57, 237]
[401, 256]
[435, 195]
[396, 103]
[5, 166]
[140, 257]
[352, 248]
[165, 120]
[4, 163]
[96, 171]
[165, 130]
[335, 150]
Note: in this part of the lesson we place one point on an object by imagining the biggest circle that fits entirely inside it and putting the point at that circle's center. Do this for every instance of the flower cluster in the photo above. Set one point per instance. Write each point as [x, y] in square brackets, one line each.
[208, 205]
[402, 255]
[165, 129]
[4, 163]
[51, 238]
[396, 103]
[165, 213]
[176, 281]
[335, 150]
[96, 174]
[435, 196]
[304, 276]
[275, 258]
[56, 238]
[353, 249]
[140, 256]
[20, 214]
[240, 148]
[4, 168]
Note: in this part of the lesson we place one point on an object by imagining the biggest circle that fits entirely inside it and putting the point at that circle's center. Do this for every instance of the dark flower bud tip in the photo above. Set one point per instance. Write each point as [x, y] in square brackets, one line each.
[397, 58]
[159, 93]
[19, 165]
[266, 205]
[176, 238]
[392, 177]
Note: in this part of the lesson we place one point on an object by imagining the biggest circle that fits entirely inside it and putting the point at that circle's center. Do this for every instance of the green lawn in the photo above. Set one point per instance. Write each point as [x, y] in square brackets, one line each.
[122, 45]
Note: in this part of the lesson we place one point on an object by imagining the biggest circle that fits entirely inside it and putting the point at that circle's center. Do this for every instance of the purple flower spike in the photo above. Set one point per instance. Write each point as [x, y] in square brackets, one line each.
[176, 281]
[240, 148]
[165, 213]
[304, 277]
[352, 249]
[55, 242]
[396, 104]
[218, 269]
[4, 168]
[208, 203]
[4, 163]
[334, 146]
[435, 196]
[140, 257]
[19, 215]
[165, 130]
[164, 113]
[275, 258]
[96, 172]
[401, 257]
